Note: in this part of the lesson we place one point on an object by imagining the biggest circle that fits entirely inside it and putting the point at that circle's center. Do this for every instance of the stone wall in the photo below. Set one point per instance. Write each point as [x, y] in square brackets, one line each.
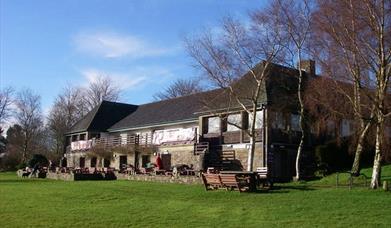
[60, 176]
[241, 154]
[167, 179]
[182, 154]
[121, 176]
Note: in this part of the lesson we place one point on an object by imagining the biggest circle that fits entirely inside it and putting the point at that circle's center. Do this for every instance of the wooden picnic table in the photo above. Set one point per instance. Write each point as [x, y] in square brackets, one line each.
[252, 177]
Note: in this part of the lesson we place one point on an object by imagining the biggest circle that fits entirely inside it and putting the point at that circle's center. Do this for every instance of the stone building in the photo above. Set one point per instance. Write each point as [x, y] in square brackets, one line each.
[199, 129]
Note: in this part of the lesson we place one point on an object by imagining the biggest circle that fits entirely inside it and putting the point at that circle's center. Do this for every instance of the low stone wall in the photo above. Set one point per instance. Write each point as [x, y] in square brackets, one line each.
[121, 176]
[167, 179]
[60, 176]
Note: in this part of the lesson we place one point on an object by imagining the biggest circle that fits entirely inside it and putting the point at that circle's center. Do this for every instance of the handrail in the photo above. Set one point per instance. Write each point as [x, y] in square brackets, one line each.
[351, 175]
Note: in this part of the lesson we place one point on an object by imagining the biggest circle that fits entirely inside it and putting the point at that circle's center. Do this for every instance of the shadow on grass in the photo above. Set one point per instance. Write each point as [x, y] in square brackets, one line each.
[24, 180]
[283, 189]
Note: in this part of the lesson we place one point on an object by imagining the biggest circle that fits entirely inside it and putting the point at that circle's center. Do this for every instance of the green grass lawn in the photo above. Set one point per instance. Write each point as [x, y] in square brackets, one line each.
[49, 203]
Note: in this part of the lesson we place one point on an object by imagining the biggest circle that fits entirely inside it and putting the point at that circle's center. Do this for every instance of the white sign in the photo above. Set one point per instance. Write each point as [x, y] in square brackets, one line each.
[81, 145]
[173, 135]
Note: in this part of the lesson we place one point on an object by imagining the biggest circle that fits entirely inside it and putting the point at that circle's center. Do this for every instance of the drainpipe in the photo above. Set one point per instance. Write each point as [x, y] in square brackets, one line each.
[265, 136]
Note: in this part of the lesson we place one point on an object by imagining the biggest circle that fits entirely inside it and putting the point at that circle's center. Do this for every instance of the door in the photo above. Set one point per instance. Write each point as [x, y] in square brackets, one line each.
[123, 162]
[82, 162]
[166, 161]
[93, 162]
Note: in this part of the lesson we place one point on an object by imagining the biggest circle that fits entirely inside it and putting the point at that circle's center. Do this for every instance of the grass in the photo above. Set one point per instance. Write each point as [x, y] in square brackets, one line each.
[49, 203]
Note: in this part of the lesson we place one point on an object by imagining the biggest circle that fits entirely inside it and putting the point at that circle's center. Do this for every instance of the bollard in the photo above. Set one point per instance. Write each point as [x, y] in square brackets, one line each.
[385, 186]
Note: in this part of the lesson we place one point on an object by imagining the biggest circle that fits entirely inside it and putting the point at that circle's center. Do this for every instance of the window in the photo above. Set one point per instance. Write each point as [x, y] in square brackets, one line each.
[74, 138]
[145, 160]
[330, 128]
[346, 127]
[258, 121]
[279, 121]
[82, 136]
[214, 125]
[106, 163]
[295, 122]
[236, 120]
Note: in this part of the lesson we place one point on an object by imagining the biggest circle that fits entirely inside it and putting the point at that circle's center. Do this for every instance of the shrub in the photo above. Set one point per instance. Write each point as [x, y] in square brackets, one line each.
[332, 157]
[38, 159]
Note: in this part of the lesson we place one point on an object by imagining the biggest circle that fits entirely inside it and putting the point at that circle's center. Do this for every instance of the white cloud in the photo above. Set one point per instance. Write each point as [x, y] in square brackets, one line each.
[114, 45]
[122, 80]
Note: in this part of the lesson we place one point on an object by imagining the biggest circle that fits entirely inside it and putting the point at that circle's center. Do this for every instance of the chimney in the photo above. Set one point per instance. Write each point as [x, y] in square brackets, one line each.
[309, 67]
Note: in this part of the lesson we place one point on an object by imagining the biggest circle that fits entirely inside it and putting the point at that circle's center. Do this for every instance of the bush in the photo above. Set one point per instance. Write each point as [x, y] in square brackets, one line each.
[38, 159]
[9, 162]
[332, 157]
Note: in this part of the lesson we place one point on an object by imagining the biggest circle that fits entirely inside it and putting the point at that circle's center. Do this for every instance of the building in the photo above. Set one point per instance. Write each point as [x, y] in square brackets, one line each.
[199, 129]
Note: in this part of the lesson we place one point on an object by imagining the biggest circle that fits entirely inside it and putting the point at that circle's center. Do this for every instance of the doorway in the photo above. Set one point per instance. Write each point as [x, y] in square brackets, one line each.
[123, 162]
[82, 162]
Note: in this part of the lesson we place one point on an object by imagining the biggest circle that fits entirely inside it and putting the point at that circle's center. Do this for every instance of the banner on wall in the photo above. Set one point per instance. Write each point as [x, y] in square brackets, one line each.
[173, 135]
[81, 145]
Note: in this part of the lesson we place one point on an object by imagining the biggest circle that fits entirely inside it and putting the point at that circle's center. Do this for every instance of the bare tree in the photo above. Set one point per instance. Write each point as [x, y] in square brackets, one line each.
[295, 19]
[5, 103]
[67, 109]
[359, 32]
[103, 88]
[226, 57]
[339, 35]
[29, 118]
[179, 88]
[378, 52]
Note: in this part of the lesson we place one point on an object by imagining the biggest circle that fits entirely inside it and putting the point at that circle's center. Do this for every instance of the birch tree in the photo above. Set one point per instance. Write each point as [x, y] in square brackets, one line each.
[358, 32]
[224, 57]
[296, 21]
[339, 43]
[378, 19]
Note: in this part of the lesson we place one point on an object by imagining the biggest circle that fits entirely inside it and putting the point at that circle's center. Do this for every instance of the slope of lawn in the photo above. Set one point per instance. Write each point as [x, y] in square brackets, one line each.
[49, 203]
[357, 181]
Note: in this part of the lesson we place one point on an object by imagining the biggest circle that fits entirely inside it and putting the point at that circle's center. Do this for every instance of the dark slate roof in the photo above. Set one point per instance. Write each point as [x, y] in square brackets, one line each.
[102, 117]
[278, 90]
[166, 111]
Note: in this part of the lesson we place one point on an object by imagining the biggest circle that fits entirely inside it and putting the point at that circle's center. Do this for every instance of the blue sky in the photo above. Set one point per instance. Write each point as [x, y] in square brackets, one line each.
[45, 44]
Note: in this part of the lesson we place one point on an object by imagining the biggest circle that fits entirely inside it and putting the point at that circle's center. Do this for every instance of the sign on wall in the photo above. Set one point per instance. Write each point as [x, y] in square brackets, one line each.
[174, 135]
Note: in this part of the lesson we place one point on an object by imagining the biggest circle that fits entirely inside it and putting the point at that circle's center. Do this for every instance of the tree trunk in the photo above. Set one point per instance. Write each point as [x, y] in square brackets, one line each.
[302, 125]
[359, 148]
[377, 161]
[251, 151]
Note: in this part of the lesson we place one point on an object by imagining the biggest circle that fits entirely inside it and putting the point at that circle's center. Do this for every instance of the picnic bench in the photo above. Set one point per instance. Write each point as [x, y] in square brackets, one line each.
[226, 181]
[232, 182]
[237, 180]
[211, 181]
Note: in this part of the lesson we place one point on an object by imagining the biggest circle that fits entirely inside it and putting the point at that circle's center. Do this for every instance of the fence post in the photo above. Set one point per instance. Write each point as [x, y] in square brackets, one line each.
[337, 180]
[350, 181]
[385, 186]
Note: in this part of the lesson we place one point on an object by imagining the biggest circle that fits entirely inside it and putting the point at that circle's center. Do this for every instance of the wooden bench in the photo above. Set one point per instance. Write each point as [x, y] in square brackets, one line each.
[232, 182]
[211, 181]
[263, 177]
